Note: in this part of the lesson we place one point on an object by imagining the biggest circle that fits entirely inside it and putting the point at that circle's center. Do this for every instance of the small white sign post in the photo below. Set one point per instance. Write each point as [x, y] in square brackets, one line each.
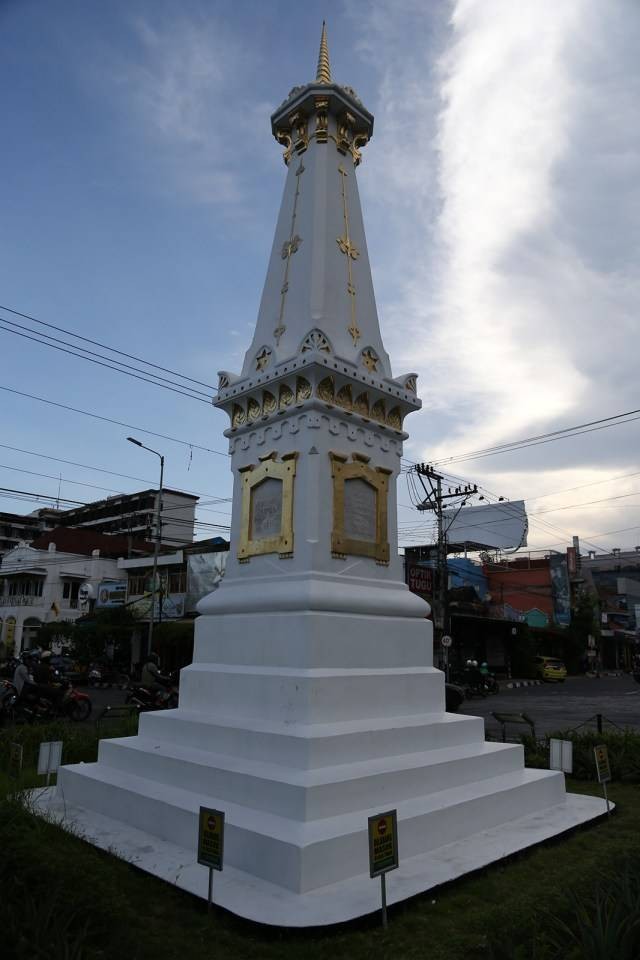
[561, 755]
[49, 758]
[446, 642]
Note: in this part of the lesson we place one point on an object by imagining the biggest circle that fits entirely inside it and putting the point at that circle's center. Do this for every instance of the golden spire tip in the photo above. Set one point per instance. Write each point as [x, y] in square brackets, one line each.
[323, 74]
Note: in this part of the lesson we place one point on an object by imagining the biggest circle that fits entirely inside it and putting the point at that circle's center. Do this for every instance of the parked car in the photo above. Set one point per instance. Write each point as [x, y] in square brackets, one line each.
[550, 669]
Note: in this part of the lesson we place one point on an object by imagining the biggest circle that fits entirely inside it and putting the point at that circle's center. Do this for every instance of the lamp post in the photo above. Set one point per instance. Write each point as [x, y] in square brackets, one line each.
[156, 548]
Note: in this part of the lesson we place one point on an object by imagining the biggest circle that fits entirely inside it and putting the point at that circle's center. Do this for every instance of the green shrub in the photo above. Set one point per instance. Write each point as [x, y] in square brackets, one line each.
[80, 740]
[623, 747]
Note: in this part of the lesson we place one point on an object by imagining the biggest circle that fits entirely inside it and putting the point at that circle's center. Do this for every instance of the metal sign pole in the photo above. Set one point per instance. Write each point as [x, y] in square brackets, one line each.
[383, 895]
[210, 896]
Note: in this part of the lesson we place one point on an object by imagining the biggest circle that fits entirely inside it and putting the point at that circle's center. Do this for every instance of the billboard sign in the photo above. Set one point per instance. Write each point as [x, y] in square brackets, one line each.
[501, 526]
[172, 607]
[112, 593]
[420, 579]
[204, 573]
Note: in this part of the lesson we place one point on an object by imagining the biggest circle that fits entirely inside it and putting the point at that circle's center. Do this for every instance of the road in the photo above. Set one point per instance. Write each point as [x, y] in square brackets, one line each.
[560, 706]
[552, 706]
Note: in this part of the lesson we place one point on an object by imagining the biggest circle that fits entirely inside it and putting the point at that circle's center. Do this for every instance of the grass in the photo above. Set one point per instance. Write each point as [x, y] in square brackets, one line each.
[64, 900]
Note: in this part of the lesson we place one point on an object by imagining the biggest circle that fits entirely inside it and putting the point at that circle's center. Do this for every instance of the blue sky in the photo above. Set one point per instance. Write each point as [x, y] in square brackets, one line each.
[139, 188]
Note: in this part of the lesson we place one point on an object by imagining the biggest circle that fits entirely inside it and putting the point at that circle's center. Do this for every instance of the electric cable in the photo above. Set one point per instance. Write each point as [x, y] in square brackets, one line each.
[96, 343]
[118, 423]
[108, 366]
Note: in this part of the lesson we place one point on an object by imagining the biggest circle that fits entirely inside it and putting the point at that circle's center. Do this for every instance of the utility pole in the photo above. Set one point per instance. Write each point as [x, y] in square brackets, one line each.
[434, 500]
[156, 549]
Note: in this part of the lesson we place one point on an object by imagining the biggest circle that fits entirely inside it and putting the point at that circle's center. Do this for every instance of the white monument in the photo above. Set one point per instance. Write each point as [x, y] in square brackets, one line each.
[312, 701]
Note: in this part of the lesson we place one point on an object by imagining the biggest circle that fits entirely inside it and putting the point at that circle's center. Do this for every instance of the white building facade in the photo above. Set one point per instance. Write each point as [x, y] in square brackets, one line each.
[43, 586]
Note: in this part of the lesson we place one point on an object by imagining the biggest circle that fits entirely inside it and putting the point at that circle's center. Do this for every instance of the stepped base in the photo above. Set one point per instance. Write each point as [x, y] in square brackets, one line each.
[264, 902]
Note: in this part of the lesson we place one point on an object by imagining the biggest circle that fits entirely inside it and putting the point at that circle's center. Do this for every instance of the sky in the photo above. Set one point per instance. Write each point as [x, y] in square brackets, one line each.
[139, 190]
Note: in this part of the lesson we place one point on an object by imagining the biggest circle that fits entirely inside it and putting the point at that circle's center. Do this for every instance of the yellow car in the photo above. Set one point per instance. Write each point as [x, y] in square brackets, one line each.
[549, 668]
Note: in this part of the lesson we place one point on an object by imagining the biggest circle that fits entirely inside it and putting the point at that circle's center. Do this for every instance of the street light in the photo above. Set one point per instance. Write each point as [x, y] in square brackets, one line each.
[156, 548]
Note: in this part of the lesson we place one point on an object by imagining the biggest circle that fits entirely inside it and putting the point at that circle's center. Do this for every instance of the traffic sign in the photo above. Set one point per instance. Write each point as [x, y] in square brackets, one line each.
[211, 838]
[383, 843]
[602, 764]
[383, 851]
[446, 641]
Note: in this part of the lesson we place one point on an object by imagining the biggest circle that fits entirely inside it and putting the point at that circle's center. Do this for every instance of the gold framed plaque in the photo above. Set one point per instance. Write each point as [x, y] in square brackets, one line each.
[360, 494]
[266, 524]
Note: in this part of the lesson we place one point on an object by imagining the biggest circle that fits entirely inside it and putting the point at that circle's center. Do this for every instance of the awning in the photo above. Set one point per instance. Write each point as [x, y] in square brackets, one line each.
[33, 571]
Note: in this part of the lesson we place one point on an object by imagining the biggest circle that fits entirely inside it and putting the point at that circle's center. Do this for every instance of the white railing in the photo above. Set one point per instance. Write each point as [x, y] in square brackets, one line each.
[18, 601]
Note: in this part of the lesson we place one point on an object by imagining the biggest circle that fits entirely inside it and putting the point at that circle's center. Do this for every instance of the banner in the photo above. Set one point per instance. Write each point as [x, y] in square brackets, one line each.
[112, 593]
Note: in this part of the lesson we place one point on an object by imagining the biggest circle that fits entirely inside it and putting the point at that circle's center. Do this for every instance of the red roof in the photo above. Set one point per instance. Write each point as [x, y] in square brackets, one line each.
[83, 541]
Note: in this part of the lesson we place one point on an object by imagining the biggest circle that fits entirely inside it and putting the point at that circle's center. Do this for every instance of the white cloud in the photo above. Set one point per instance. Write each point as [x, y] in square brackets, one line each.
[189, 87]
[514, 169]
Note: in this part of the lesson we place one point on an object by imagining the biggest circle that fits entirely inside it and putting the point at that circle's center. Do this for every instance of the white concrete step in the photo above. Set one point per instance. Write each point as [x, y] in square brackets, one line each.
[311, 794]
[308, 746]
[310, 696]
[313, 638]
[305, 855]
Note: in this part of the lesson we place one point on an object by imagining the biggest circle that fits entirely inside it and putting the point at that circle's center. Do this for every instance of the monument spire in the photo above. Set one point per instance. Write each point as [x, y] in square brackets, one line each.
[312, 699]
[323, 74]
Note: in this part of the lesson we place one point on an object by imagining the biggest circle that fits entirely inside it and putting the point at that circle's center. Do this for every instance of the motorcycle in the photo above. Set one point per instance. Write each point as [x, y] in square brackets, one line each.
[35, 706]
[8, 698]
[145, 699]
[490, 683]
[101, 676]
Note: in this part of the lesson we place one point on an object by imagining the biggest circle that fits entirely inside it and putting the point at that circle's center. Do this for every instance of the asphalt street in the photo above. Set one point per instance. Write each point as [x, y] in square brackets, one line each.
[561, 706]
[552, 706]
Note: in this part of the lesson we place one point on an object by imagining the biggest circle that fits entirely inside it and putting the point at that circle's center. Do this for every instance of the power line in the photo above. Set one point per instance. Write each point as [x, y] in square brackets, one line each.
[118, 423]
[101, 363]
[574, 431]
[93, 486]
[113, 473]
[104, 346]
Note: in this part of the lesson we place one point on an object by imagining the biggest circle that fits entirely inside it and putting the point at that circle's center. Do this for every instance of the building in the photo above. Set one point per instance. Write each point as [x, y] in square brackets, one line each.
[40, 582]
[614, 579]
[135, 515]
[16, 528]
[184, 577]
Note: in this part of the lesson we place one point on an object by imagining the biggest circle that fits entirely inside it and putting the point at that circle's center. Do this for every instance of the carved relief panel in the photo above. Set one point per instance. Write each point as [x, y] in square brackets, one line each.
[360, 494]
[266, 524]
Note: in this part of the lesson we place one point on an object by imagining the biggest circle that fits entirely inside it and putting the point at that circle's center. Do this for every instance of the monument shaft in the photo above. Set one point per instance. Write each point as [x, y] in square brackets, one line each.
[312, 701]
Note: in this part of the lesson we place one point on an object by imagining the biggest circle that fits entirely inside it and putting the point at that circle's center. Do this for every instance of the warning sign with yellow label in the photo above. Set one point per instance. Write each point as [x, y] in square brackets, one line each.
[602, 764]
[383, 843]
[211, 838]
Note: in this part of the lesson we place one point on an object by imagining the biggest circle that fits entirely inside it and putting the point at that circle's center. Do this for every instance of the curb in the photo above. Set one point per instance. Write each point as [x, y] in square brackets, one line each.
[522, 683]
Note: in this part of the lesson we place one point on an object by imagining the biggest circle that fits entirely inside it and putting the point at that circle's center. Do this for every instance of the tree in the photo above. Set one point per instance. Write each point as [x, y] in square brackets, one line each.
[60, 631]
[94, 634]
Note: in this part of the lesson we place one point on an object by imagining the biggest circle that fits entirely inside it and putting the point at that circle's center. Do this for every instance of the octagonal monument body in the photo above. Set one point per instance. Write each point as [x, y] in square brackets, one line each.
[312, 702]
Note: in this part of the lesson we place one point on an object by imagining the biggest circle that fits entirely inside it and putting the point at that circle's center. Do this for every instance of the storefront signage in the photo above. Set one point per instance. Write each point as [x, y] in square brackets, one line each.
[420, 579]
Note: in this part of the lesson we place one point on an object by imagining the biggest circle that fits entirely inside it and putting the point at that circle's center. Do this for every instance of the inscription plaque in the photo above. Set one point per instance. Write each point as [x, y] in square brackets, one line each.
[360, 510]
[266, 509]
